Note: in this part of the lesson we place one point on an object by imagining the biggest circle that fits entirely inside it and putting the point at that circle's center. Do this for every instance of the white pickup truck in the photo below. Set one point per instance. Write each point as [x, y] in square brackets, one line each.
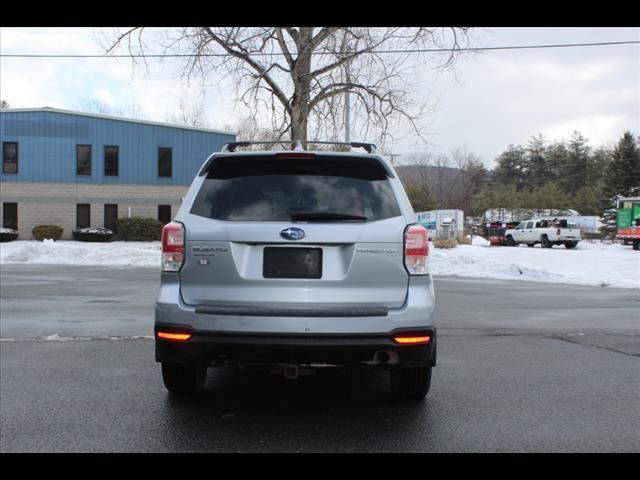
[545, 232]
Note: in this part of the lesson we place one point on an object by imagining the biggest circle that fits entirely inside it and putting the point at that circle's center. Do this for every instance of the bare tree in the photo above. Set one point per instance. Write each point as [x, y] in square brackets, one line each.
[472, 177]
[193, 115]
[298, 76]
[249, 130]
[444, 189]
[93, 105]
[418, 164]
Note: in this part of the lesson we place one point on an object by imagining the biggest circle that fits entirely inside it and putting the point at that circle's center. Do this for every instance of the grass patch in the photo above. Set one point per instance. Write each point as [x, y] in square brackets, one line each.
[445, 243]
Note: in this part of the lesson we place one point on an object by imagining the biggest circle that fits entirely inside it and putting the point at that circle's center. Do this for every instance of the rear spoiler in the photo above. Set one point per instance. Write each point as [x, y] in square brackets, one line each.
[207, 164]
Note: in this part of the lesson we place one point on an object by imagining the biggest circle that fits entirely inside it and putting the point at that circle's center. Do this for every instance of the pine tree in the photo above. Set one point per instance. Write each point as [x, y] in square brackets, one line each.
[550, 196]
[575, 172]
[598, 163]
[420, 197]
[474, 176]
[496, 197]
[556, 158]
[536, 160]
[622, 177]
[589, 200]
[511, 167]
[608, 230]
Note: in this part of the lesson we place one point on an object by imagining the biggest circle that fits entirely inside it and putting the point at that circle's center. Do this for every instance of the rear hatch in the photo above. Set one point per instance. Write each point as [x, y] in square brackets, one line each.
[301, 231]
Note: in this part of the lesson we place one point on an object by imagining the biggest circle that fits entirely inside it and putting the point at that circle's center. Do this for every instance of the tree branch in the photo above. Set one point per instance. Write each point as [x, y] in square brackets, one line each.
[245, 57]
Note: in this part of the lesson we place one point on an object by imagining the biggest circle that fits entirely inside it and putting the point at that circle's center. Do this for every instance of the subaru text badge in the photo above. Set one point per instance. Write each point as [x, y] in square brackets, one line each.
[293, 233]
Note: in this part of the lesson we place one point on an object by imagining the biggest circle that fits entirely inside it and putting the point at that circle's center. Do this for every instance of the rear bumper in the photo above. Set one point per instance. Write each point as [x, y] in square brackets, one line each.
[339, 336]
[209, 348]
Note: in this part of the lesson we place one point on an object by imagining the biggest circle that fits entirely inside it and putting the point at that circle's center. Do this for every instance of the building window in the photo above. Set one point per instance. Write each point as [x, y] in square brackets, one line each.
[110, 216]
[111, 160]
[83, 159]
[164, 162]
[83, 215]
[9, 157]
[164, 213]
[10, 215]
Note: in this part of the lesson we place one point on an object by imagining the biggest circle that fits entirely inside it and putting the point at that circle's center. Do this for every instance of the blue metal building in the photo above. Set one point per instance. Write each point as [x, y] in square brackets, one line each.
[47, 140]
[53, 159]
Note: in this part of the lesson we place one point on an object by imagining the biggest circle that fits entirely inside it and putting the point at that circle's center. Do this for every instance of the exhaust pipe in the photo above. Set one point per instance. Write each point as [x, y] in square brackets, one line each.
[385, 357]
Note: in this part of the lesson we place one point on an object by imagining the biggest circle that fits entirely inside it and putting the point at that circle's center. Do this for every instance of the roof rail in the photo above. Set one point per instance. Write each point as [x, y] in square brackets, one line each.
[299, 145]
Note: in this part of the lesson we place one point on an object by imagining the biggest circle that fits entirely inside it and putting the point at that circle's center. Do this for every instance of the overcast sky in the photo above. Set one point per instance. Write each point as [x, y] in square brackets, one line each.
[493, 99]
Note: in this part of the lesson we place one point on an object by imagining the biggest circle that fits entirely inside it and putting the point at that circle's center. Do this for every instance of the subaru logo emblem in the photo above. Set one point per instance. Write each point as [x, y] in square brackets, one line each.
[293, 233]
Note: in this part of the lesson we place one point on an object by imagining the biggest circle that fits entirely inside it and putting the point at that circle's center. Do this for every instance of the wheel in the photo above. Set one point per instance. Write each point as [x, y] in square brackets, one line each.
[182, 379]
[530, 245]
[545, 242]
[570, 244]
[510, 242]
[410, 383]
[636, 244]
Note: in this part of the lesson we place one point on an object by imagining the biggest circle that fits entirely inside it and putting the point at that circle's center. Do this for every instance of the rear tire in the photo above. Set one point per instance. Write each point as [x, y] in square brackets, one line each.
[530, 245]
[546, 243]
[410, 383]
[636, 244]
[570, 244]
[181, 379]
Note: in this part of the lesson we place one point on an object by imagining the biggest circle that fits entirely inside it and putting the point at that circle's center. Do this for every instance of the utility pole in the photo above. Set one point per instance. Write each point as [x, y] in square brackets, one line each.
[347, 99]
[347, 115]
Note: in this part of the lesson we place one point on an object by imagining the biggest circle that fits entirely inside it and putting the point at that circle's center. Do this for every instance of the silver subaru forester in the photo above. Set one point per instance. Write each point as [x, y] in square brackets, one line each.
[295, 261]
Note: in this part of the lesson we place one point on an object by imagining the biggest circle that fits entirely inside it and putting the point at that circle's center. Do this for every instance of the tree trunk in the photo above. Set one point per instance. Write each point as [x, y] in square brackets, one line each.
[299, 119]
[302, 87]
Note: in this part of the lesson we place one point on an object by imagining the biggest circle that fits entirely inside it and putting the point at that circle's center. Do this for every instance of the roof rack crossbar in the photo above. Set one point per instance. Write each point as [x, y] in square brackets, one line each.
[298, 144]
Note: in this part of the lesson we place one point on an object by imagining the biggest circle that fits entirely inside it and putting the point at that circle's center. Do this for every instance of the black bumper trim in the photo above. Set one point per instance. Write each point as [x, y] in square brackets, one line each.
[210, 347]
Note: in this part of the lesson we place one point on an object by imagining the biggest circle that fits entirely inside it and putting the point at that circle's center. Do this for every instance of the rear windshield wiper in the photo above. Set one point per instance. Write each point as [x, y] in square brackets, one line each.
[320, 216]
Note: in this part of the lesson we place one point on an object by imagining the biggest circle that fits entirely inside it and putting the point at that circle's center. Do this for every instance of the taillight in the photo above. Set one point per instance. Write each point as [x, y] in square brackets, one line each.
[412, 339]
[175, 336]
[172, 247]
[558, 232]
[416, 250]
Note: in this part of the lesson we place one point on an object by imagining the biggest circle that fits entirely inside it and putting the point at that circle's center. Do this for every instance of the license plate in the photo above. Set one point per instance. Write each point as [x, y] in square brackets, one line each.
[283, 262]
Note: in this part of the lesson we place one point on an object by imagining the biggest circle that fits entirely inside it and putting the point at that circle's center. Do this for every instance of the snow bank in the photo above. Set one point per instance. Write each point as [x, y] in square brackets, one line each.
[62, 252]
[591, 263]
[596, 263]
[479, 241]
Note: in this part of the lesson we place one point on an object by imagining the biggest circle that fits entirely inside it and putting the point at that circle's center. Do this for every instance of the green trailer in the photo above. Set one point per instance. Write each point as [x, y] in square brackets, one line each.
[628, 221]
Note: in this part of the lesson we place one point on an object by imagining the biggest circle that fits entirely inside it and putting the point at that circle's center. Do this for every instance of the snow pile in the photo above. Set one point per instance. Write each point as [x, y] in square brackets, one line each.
[479, 241]
[598, 264]
[62, 252]
[591, 263]
[8, 230]
[98, 230]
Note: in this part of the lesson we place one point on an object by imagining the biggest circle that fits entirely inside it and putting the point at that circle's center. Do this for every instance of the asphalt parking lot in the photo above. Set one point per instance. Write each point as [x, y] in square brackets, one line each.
[522, 367]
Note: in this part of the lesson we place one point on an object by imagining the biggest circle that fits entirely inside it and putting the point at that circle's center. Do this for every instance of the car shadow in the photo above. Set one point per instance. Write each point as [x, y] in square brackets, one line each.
[258, 411]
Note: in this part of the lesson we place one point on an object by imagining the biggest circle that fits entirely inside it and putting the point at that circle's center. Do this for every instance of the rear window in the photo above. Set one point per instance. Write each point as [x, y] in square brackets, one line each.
[271, 189]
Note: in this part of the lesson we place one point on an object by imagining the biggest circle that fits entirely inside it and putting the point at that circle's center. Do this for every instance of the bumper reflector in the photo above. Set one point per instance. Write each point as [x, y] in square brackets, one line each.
[180, 337]
[414, 340]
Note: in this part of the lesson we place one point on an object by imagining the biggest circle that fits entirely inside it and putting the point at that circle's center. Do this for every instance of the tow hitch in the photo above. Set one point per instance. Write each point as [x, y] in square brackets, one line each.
[291, 371]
